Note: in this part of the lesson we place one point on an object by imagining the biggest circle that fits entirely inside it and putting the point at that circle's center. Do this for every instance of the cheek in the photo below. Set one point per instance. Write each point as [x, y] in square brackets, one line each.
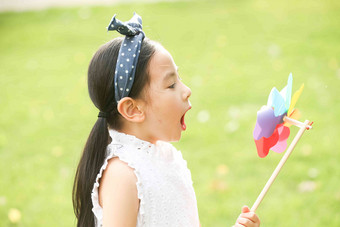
[164, 116]
[156, 115]
[165, 110]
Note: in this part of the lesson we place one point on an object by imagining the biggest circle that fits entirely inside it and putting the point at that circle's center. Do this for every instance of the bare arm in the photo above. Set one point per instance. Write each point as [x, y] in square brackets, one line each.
[118, 195]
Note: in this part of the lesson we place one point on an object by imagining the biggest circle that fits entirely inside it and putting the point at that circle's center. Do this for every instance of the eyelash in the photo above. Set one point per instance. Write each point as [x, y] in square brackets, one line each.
[172, 86]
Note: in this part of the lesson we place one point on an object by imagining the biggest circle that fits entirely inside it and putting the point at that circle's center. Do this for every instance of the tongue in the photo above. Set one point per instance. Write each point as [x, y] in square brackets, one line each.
[183, 123]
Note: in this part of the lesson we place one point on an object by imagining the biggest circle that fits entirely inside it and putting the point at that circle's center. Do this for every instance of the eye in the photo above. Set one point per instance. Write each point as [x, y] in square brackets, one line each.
[172, 86]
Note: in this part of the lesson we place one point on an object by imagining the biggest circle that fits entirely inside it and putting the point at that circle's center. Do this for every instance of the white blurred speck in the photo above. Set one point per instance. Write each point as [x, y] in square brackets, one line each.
[33, 111]
[231, 126]
[306, 149]
[218, 185]
[222, 169]
[307, 186]
[57, 151]
[262, 4]
[196, 81]
[32, 64]
[64, 172]
[313, 172]
[234, 112]
[338, 74]
[84, 13]
[332, 63]
[337, 195]
[48, 115]
[14, 215]
[203, 116]
[3, 200]
[274, 51]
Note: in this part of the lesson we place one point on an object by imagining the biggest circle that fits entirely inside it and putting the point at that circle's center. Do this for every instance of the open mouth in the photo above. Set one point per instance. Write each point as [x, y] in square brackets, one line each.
[183, 125]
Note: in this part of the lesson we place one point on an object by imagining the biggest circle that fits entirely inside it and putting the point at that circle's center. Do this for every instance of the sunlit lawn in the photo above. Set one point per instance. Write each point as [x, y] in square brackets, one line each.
[231, 53]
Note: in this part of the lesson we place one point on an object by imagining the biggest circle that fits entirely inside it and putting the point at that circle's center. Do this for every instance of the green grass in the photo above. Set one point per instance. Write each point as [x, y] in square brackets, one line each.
[231, 53]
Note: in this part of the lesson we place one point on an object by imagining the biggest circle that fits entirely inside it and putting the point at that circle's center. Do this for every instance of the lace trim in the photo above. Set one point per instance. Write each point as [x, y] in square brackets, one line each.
[161, 150]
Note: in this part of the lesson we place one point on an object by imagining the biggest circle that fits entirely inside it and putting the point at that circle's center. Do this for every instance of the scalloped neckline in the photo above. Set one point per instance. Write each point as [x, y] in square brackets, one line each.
[160, 150]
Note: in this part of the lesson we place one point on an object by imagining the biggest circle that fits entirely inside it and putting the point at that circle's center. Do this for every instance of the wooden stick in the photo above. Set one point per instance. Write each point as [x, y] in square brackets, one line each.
[280, 165]
[296, 122]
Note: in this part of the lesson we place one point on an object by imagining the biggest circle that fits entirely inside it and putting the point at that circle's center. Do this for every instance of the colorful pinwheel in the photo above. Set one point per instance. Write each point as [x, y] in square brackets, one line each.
[271, 133]
[272, 129]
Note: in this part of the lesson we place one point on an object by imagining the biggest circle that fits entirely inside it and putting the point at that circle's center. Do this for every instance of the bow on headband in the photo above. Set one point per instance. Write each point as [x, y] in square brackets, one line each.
[128, 53]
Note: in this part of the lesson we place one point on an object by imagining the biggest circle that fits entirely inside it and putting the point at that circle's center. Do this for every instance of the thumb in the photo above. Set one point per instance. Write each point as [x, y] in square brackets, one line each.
[245, 209]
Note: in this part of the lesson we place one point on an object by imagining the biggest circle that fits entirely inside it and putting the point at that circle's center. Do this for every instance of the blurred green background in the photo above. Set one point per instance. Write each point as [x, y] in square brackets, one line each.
[231, 53]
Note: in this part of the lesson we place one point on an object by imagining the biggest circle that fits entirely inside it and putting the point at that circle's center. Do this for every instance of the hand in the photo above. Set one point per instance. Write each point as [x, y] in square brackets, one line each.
[247, 218]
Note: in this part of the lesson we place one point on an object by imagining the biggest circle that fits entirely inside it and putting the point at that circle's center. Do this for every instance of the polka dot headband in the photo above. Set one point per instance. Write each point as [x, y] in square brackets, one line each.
[128, 53]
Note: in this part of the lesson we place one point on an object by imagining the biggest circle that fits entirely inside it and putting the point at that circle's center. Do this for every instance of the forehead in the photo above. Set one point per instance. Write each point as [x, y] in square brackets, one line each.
[161, 64]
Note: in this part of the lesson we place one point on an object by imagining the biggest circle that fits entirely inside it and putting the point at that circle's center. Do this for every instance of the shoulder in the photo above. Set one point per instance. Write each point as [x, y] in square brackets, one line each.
[118, 194]
[117, 167]
[117, 173]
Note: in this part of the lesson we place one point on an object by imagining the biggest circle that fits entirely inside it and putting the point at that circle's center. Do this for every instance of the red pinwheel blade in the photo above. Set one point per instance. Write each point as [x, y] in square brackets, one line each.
[264, 144]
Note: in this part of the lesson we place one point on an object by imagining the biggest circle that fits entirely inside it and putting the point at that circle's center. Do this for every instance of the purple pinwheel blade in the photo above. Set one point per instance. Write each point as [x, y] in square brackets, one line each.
[266, 123]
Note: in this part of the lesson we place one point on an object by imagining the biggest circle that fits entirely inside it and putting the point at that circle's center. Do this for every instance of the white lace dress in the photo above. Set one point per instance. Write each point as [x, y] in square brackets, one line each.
[164, 184]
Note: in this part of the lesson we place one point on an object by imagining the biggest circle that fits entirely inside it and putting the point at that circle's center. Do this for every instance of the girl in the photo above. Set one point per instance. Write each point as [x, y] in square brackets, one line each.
[127, 175]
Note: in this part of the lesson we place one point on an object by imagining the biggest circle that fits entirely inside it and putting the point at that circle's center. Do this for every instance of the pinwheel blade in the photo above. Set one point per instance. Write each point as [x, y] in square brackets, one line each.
[286, 92]
[281, 144]
[294, 99]
[264, 144]
[266, 123]
[294, 115]
[276, 101]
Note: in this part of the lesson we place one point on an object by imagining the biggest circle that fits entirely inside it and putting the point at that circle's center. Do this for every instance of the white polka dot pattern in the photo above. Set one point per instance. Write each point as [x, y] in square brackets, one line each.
[128, 53]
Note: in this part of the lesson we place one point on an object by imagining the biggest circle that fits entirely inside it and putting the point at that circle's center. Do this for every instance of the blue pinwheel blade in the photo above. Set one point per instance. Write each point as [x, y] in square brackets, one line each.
[286, 92]
[277, 102]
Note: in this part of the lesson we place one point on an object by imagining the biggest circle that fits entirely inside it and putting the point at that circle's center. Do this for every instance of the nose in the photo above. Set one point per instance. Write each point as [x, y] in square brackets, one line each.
[187, 92]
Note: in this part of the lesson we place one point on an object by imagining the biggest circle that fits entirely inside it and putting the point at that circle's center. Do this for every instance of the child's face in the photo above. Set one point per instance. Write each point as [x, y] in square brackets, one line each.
[167, 99]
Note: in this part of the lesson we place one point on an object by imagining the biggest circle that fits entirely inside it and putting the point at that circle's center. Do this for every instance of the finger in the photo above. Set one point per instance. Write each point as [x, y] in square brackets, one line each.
[244, 221]
[250, 215]
[238, 225]
[245, 209]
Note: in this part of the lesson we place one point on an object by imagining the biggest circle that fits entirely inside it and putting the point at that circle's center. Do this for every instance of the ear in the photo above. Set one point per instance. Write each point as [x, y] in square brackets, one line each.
[130, 110]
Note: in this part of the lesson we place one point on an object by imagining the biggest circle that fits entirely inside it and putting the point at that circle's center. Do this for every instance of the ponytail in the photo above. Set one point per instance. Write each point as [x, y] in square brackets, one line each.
[101, 91]
[87, 170]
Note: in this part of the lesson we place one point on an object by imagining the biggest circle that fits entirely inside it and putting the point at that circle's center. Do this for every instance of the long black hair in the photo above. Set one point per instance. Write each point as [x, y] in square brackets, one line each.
[101, 90]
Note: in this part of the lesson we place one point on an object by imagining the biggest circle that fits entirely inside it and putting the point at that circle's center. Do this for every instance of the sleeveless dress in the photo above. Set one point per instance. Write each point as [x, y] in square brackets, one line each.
[164, 185]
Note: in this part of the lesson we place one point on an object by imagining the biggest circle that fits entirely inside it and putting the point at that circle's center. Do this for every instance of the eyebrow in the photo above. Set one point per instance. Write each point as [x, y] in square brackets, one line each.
[170, 74]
